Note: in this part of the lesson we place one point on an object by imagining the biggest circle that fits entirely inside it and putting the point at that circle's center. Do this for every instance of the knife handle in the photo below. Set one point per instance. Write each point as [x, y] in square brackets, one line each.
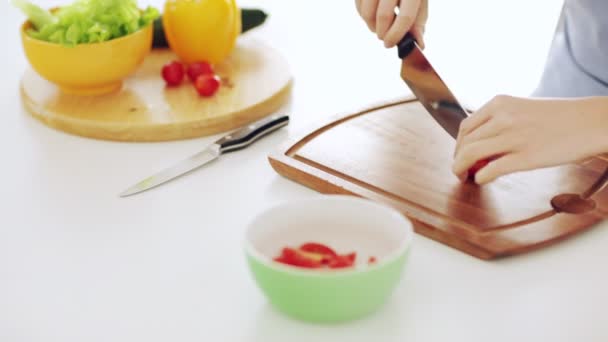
[249, 134]
[406, 45]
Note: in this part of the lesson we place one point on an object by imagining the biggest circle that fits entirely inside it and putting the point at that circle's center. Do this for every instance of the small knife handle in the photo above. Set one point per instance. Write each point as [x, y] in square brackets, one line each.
[249, 134]
[406, 45]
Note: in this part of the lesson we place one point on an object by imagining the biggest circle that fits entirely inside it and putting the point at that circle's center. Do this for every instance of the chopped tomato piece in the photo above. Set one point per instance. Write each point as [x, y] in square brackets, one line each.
[318, 248]
[296, 258]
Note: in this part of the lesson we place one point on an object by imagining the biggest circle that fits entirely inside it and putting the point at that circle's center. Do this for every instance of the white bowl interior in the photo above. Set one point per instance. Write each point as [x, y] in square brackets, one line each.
[345, 223]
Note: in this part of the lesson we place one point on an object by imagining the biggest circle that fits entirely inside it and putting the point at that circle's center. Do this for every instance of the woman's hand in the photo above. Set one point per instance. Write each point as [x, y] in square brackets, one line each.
[391, 28]
[525, 134]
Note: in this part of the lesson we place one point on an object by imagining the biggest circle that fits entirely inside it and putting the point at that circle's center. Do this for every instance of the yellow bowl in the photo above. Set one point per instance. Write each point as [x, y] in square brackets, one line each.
[88, 69]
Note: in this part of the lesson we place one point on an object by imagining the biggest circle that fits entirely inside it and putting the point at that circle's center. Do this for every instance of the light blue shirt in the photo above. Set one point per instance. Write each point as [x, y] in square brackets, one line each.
[577, 64]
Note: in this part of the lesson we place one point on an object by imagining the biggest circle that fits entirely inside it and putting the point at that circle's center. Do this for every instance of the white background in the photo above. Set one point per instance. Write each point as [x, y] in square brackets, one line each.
[79, 264]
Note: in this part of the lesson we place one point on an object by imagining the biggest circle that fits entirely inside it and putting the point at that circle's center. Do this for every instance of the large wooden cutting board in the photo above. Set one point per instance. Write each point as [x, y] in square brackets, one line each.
[396, 154]
[256, 82]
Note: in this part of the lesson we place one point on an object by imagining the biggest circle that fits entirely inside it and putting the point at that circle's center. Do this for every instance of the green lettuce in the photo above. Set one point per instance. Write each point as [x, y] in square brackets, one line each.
[87, 21]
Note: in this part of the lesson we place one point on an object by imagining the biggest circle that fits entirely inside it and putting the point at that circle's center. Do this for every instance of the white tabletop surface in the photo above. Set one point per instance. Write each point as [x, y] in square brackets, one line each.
[77, 263]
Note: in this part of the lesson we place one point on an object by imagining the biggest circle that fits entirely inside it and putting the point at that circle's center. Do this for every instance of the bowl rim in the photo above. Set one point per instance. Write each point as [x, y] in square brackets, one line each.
[27, 24]
[404, 246]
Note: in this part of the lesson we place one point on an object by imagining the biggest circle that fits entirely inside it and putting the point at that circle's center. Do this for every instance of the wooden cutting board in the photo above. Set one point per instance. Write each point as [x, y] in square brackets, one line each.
[395, 153]
[256, 82]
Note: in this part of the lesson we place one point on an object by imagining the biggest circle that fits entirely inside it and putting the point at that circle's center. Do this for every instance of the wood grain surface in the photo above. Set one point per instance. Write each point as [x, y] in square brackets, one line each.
[397, 154]
[256, 81]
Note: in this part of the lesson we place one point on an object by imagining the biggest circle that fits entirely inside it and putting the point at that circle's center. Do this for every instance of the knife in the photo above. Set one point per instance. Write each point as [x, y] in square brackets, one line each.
[432, 92]
[428, 87]
[238, 140]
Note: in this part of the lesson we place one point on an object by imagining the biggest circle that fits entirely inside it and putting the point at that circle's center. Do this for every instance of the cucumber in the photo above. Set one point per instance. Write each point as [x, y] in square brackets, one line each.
[251, 18]
[159, 39]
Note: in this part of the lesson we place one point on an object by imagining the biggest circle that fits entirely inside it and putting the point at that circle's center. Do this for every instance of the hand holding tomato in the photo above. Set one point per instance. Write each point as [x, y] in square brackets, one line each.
[519, 134]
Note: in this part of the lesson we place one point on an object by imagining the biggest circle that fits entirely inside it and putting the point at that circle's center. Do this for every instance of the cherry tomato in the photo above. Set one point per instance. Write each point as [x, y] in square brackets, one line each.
[207, 85]
[199, 68]
[173, 73]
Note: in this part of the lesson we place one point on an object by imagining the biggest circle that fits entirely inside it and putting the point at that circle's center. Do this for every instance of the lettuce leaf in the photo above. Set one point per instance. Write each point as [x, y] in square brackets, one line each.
[87, 21]
[38, 16]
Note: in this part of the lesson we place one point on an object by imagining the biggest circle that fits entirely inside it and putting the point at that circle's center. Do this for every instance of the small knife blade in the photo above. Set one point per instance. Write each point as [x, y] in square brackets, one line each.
[232, 142]
[428, 87]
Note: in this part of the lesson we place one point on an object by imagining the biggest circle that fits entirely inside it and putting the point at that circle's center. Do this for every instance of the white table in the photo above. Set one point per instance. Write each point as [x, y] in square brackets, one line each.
[77, 263]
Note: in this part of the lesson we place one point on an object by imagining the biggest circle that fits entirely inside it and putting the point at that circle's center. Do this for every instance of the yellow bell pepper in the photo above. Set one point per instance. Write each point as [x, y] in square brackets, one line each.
[202, 30]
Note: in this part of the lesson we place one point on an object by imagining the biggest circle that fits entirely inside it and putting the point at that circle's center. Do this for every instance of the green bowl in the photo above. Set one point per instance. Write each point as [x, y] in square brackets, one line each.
[348, 224]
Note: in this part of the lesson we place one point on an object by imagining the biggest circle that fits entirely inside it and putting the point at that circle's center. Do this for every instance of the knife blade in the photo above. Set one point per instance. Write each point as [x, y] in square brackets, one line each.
[432, 92]
[237, 140]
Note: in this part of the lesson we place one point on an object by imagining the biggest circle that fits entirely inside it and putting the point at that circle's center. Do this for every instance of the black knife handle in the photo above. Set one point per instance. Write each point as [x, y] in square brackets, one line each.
[406, 45]
[249, 134]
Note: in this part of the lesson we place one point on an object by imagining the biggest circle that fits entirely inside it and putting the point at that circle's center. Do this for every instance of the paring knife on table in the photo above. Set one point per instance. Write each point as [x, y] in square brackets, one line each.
[229, 143]
[431, 91]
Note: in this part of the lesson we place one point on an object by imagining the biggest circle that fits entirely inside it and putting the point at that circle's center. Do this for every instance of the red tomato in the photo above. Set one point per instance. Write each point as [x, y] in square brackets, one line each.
[207, 85]
[199, 68]
[173, 73]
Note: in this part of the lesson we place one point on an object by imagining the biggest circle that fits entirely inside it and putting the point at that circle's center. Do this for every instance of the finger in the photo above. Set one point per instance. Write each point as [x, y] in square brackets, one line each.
[368, 13]
[385, 16]
[502, 166]
[420, 24]
[479, 150]
[471, 123]
[418, 33]
[408, 10]
[475, 120]
[489, 129]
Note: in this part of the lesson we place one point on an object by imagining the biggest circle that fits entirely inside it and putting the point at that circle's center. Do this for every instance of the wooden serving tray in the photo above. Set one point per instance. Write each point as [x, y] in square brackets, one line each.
[256, 81]
[395, 153]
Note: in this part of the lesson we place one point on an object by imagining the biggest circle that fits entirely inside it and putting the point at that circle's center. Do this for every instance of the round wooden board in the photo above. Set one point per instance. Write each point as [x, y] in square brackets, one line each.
[256, 81]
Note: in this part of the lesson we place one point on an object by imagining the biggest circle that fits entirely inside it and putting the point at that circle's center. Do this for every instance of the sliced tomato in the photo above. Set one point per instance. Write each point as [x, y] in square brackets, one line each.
[315, 255]
[343, 261]
[352, 257]
[318, 248]
[293, 257]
